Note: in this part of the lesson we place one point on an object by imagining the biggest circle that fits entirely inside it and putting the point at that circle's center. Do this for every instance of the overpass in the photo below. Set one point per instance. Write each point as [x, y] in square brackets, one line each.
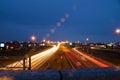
[108, 73]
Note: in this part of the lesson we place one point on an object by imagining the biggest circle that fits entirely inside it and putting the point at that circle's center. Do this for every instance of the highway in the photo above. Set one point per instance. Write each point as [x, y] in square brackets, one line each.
[39, 59]
[92, 59]
[58, 61]
[60, 57]
[67, 58]
[78, 61]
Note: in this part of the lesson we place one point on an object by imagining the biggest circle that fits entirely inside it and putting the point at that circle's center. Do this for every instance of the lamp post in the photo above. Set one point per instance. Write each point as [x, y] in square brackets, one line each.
[87, 40]
[33, 38]
[117, 31]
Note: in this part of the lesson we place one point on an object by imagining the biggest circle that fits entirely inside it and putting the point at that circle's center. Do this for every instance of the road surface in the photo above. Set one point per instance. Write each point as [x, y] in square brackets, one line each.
[60, 57]
[92, 59]
[78, 61]
[68, 59]
[37, 60]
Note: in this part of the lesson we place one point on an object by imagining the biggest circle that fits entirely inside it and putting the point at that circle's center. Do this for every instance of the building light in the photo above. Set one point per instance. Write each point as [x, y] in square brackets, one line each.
[7, 47]
[2, 45]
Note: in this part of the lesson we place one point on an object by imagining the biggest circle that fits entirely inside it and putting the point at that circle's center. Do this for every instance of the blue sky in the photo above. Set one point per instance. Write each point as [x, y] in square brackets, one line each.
[96, 19]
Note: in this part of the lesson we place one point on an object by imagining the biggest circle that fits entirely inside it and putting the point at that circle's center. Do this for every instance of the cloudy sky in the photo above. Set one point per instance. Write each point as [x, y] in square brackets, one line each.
[59, 20]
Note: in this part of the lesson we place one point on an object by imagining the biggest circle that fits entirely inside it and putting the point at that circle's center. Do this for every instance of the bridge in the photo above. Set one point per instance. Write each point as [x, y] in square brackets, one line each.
[109, 73]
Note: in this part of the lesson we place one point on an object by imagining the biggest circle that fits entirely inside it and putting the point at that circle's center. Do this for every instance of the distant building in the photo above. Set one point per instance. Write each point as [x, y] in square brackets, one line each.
[117, 45]
[97, 45]
[2, 45]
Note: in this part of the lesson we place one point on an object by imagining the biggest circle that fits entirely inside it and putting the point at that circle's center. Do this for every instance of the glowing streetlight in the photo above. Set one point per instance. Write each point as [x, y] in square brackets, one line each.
[44, 40]
[33, 38]
[117, 31]
[87, 39]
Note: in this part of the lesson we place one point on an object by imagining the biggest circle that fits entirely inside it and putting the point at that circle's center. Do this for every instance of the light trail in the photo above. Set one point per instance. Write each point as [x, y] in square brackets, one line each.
[39, 59]
[76, 60]
[100, 63]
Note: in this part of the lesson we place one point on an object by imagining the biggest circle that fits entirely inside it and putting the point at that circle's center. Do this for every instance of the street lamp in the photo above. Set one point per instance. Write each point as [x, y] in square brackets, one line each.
[44, 40]
[117, 31]
[33, 38]
[87, 39]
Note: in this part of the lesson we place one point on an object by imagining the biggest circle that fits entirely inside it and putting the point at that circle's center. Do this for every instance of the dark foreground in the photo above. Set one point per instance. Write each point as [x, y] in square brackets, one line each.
[110, 73]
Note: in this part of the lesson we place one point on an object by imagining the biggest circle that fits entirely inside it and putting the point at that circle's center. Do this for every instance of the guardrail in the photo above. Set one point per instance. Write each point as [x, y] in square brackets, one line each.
[110, 73]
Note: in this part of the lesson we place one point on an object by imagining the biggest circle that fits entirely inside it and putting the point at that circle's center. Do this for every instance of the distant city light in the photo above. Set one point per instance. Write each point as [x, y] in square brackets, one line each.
[43, 44]
[7, 47]
[2, 45]
[87, 39]
[67, 41]
[48, 41]
[117, 31]
[33, 38]
[70, 43]
[44, 40]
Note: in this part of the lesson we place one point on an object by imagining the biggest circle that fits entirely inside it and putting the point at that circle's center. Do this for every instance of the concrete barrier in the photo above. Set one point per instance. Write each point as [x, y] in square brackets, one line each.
[111, 73]
[91, 74]
[30, 75]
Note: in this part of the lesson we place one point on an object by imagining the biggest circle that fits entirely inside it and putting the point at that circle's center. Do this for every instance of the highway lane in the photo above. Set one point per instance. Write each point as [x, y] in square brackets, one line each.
[67, 59]
[63, 59]
[39, 59]
[76, 60]
[92, 59]
[58, 61]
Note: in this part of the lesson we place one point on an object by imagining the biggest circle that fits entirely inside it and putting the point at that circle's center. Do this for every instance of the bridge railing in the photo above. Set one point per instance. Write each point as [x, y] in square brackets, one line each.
[110, 73]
